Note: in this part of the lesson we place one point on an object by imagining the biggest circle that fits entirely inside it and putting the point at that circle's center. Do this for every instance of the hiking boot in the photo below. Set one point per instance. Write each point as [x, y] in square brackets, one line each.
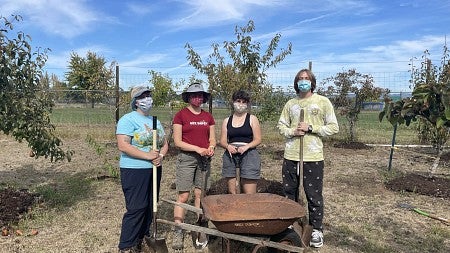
[133, 249]
[178, 238]
[316, 239]
[139, 245]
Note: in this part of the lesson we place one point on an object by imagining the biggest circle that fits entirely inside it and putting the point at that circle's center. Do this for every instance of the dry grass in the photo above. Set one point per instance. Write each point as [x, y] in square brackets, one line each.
[361, 215]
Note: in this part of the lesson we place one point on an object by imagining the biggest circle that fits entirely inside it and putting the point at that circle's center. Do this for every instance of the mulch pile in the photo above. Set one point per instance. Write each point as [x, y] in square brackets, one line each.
[263, 186]
[431, 186]
[14, 204]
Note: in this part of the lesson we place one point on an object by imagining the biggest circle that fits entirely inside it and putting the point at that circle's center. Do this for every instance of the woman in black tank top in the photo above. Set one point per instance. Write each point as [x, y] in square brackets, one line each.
[240, 135]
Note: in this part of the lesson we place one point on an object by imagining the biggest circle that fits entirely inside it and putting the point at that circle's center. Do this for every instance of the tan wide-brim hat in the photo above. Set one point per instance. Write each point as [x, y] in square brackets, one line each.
[136, 92]
[195, 88]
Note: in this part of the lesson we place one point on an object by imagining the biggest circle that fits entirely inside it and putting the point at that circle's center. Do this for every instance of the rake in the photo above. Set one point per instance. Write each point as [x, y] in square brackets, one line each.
[417, 210]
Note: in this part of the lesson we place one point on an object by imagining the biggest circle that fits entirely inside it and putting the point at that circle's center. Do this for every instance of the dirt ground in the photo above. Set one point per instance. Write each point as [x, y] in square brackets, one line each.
[362, 211]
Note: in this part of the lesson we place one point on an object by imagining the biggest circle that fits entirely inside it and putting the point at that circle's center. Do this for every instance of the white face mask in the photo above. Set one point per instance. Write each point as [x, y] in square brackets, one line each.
[145, 104]
[239, 107]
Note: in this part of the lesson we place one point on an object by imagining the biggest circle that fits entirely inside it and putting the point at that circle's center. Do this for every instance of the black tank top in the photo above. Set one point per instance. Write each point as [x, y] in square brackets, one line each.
[240, 134]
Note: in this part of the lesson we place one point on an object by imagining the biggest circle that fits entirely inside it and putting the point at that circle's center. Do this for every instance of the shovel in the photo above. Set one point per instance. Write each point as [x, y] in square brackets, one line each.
[417, 210]
[156, 244]
[300, 165]
[237, 159]
[304, 230]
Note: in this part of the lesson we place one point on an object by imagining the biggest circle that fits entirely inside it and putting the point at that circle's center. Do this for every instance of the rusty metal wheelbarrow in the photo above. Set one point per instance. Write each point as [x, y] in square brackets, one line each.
[255, 214]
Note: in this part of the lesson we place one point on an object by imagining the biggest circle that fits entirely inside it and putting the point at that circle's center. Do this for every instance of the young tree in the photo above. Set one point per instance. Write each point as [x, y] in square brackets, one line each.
[91, 74]
[348, 92]
[244, 68]
[24, 106]
[163, 88]
[430, 102]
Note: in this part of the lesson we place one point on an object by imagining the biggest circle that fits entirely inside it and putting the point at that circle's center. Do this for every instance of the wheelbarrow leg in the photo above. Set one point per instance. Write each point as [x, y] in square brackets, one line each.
[257, 247]
[226, 242]
[304, 231]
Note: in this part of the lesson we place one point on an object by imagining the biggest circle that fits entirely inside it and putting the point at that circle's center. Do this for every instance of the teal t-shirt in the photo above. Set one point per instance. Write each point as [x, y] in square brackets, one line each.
[139, 128]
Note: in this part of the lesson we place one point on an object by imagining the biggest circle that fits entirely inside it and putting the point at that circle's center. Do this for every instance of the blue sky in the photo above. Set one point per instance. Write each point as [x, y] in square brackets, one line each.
[373, 36]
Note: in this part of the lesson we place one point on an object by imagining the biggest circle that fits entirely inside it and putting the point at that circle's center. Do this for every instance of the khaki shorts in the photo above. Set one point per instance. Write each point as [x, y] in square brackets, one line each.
[189, 173]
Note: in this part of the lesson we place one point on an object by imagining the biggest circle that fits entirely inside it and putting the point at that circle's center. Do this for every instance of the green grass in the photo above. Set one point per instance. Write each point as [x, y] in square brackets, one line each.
[368, 128]
[61, 195]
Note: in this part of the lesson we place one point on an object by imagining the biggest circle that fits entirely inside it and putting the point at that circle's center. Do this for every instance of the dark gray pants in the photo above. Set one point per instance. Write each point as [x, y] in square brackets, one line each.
[312, 185]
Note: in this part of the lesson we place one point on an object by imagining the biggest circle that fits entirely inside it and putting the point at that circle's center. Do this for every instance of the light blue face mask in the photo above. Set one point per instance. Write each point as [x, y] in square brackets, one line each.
[304, 85]
[145, 104]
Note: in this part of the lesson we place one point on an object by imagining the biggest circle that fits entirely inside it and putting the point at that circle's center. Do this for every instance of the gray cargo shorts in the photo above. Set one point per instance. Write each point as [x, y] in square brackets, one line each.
[189, 173]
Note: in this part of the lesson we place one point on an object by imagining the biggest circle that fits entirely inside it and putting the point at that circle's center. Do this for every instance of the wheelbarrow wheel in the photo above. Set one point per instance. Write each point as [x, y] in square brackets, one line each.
[288, 236]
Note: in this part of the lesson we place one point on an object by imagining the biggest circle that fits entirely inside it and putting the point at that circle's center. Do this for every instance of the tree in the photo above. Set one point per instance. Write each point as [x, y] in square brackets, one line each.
[244, 68]
[163, 88]
[58, 88]
[25, 107]
[348, 93]
[430, 102]
[90, 74]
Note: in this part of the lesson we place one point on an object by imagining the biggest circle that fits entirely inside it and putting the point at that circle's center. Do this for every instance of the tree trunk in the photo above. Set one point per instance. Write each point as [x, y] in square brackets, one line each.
[435, 165]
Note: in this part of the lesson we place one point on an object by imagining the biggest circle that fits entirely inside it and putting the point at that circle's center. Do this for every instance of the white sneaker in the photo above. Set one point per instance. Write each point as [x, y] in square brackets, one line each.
[316, 239]
[202, 241]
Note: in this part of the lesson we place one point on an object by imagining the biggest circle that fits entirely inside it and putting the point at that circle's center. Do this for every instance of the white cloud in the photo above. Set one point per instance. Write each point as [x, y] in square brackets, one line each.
[205, 13]
[67, 19]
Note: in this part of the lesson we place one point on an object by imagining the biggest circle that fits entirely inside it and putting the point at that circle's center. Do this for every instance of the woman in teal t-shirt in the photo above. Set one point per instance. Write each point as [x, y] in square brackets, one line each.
[137, 160]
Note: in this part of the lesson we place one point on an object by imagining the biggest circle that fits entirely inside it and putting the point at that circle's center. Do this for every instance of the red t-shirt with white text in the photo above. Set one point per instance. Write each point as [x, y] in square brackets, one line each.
[195, 127]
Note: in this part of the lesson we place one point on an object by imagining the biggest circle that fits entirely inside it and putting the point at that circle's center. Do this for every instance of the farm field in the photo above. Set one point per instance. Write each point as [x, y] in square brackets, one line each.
[81, 205]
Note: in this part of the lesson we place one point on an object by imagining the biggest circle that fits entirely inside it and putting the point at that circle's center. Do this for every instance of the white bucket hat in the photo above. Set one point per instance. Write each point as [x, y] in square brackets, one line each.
[194, 88]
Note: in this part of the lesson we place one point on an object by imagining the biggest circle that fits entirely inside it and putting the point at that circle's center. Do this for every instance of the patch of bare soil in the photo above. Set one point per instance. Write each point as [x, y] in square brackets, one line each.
[430, 186]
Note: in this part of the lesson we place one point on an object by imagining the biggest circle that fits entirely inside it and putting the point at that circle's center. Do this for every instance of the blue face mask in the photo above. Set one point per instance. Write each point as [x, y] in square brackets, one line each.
[145, 104]
[304, 85]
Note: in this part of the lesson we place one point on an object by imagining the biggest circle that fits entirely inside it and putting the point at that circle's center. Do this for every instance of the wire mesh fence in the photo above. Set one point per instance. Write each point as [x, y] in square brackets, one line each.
[93, 107]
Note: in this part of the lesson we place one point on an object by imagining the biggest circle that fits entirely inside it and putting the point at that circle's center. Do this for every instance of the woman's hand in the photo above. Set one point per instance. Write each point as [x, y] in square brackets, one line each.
[211, 150]
[155, 158]
[232, 149]
[202, 151]
[242, 149]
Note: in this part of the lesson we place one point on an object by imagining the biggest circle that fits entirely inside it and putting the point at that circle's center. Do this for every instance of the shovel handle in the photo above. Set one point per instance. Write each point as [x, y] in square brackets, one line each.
[154, 169]
[300, 162]
[237, 159]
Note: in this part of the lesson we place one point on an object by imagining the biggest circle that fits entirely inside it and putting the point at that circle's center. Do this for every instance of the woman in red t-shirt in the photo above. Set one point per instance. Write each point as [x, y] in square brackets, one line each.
[194, 135]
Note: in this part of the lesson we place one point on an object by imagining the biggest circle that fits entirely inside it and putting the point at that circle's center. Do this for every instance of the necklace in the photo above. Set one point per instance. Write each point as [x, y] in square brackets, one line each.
[238, 120]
